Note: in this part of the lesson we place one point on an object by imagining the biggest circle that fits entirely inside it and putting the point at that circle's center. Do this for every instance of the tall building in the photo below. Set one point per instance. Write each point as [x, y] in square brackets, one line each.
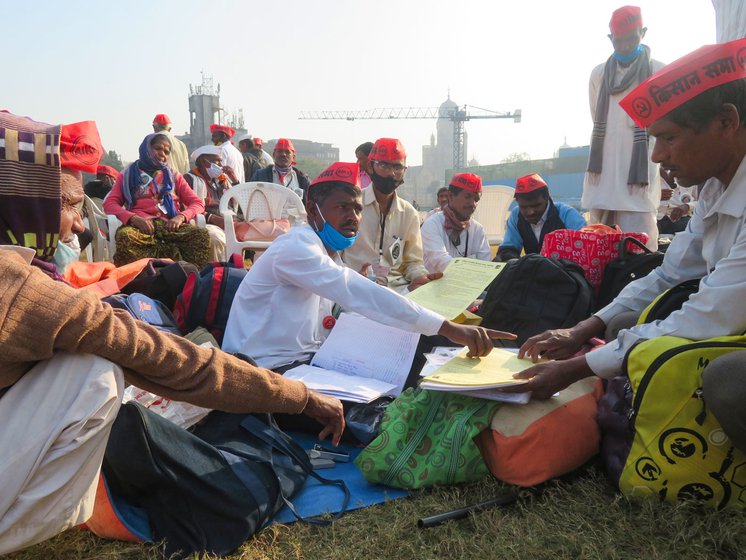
[204, 103]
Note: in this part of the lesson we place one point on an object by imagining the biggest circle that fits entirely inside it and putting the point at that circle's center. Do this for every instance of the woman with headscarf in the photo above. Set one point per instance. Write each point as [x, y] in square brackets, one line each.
[155, 203]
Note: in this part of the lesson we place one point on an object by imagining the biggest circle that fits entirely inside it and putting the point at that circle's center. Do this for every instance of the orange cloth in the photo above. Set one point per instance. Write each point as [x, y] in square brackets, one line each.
[103, 278]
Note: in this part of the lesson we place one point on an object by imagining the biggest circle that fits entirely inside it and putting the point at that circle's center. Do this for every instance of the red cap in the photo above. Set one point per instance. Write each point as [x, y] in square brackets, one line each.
[387, 149]
[80, 146]
[340, 171]
[222, 128]
[160, 118]
[106, 170]
[684, 79]
[467, 181]
[624, 20]
[284, 144]
[258, 141]
[529, 183]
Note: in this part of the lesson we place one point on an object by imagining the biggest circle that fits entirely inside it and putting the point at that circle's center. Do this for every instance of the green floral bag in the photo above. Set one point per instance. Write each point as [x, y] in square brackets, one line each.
[427, 438]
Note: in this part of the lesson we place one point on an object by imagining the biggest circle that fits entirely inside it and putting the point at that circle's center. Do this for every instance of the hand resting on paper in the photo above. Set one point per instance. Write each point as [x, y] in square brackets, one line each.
[328, 412]
[547, 378]
[478, 339]
[559, 344]
[424, 279]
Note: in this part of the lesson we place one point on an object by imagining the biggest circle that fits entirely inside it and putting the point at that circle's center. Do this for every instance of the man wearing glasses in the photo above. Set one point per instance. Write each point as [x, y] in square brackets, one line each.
[389, 246]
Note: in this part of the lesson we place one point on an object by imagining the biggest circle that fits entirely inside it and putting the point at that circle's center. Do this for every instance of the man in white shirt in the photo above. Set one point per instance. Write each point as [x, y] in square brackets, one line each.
[622, 185]
[453, 233]
[390, 244]
[276, 316]
[700, 138]
[231, 156]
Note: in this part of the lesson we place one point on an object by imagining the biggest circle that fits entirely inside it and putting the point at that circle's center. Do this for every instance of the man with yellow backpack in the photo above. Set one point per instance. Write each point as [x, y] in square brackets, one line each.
[695, 108]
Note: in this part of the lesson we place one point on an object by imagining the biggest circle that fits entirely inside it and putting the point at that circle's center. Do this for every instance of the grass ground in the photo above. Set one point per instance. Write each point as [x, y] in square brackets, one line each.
[580, 518]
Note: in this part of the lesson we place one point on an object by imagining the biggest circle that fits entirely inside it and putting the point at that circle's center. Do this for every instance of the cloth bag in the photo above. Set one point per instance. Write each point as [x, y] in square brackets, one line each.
[261, 230]
[527, 444]
[592, 249]
[427, 438]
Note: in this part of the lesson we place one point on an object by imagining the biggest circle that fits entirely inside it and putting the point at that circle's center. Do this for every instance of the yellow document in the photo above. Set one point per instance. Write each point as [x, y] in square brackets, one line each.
[462, 282]
[493, 370]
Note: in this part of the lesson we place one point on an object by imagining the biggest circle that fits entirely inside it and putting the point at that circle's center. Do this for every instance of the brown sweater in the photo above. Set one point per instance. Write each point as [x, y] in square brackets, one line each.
[39, 316]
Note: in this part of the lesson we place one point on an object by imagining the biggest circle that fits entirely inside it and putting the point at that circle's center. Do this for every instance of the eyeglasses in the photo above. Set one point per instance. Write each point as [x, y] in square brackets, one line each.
[397, 168]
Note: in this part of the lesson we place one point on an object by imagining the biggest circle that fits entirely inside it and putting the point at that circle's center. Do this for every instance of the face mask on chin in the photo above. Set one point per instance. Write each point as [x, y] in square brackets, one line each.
[385, 185]
[66, 253]
[332, 238]
[214, 171]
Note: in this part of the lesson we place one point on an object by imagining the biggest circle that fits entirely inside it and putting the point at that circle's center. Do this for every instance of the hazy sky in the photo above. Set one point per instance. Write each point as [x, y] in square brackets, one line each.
[120, 63]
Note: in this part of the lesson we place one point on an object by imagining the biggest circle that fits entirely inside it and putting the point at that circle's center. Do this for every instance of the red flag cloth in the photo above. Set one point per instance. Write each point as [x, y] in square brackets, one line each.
[387, 149]
[624, 20]
[80, 146]
[467, 181]
[684, 79]
[529, 183]
[340, 171]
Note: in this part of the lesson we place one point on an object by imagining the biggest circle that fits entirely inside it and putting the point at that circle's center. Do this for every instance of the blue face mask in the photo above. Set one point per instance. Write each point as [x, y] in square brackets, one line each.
[332, 238]
[627, 58]
[64, 255]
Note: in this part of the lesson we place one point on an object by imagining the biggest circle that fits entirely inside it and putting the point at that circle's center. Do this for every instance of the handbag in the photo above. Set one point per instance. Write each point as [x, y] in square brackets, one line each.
[209, 490]
[261, 230]
[427, 438]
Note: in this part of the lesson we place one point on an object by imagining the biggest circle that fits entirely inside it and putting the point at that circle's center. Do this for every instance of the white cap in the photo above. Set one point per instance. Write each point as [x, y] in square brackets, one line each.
[208, 149]
[245, 136]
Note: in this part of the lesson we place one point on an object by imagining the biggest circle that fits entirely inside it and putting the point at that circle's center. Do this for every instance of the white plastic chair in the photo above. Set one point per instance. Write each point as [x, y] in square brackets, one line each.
[258, 201]
[95, 219]
[492, 211]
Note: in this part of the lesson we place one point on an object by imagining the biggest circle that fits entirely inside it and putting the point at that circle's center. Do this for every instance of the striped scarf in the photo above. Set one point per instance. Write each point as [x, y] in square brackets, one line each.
[639, 71]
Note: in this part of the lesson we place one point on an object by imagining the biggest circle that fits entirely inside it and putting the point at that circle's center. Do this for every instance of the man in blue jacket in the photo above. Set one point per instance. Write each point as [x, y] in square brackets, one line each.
[283, 172]
[535, 215]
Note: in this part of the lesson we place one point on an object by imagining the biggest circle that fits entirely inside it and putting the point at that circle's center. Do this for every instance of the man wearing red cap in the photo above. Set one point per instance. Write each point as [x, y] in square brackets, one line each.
[622, 186]
[535, 215]
[700, 136]
[97, 189]
[390, 244]
[276, 317]
[261, 153]
[179, 156]
[231, 156]
[453, 233]
[283, 171]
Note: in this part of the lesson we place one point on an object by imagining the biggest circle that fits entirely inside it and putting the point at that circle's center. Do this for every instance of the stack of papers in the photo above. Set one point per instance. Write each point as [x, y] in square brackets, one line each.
[360, 361]
[451, 370]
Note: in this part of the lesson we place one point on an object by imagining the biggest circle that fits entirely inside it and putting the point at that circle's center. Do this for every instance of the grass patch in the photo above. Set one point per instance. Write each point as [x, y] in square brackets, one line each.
[581, 518]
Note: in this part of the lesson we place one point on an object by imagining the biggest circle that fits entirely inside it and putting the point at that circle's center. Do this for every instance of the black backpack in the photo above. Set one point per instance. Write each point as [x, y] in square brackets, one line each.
[535, 293]
[626, 268]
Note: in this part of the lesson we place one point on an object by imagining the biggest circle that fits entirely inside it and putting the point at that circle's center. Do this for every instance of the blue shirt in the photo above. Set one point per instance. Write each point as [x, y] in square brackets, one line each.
[569, 216]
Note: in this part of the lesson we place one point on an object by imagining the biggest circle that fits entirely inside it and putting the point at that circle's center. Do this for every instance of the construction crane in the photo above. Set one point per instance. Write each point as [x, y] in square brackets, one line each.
[458, 115]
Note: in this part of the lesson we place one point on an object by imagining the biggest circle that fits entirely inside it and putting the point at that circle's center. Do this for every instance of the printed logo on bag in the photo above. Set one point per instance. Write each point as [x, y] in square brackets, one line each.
[681, 443]
[647, 469]
[696, 491]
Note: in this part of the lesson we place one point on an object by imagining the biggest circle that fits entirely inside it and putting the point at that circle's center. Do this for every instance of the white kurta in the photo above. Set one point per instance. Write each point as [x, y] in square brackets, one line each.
[609, 189]
[438, 249]
[275, 315]
[712, 247]
[233, 157]
[730, 20]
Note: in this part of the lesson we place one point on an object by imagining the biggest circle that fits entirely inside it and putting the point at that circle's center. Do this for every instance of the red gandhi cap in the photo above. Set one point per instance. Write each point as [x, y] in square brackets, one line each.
[258, 141]
[387, 149]
[340, 171]
[467, 181]
[160, 118]
[284, 144]
[684, 79]
[624, 20]
[222, 128]
[106, 170]
[80, 146]
[529, 183]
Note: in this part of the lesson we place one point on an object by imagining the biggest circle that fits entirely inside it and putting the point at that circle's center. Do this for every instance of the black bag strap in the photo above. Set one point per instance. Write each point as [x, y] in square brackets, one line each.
[271, 434]
[623, 246]
[582, 305]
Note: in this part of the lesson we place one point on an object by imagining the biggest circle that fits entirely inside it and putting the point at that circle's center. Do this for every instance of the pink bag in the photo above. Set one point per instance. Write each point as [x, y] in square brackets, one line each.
[261, 230]
[592, 250]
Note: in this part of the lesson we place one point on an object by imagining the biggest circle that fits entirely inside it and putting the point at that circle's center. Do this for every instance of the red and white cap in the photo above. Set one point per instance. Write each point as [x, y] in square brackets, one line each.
[340, 171]
[467, 181]
[684, 79]
[624, 20]
[387, 149]
[529, 183]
